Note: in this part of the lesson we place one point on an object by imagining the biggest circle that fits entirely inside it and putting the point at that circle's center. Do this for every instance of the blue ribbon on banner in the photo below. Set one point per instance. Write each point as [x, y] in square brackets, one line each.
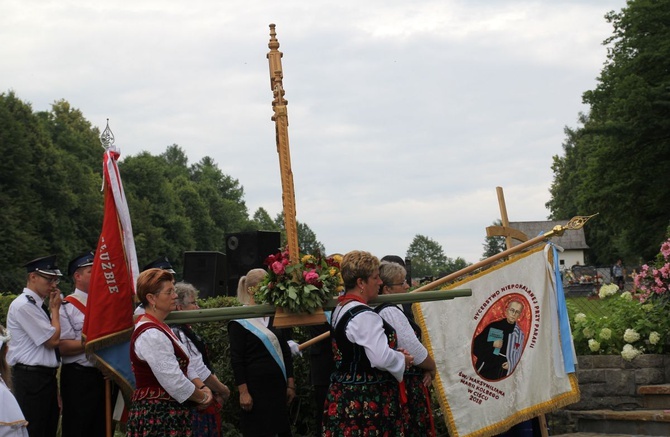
[563, 319]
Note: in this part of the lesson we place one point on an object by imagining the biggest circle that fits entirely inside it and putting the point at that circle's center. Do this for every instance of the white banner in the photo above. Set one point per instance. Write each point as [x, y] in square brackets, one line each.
[498, 354]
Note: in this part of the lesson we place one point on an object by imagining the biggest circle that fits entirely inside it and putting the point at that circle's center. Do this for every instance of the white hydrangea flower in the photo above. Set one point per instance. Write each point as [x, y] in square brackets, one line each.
[647, 307]
[627, 295]
[654, 337]
[580, 318]
[605, 333]
[608, 290]
[629, 352]
[588, 332]
[594, 345]
[631, 336]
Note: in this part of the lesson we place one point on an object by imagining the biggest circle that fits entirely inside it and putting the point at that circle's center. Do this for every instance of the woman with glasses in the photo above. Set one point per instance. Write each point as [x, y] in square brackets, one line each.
[418, 415]
[363, 397]
[164, 381]
[207, 422]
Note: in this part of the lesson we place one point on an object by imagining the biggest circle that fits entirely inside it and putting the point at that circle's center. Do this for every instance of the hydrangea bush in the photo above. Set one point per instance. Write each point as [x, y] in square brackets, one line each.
[635, 323]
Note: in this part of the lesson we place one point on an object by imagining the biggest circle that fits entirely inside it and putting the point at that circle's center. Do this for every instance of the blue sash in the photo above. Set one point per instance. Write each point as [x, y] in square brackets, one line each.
[268, 338]
[563, 319]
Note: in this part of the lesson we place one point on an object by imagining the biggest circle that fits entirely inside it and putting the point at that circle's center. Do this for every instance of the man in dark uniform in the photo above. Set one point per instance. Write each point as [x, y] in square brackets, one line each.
[34, 355]
[82, 386]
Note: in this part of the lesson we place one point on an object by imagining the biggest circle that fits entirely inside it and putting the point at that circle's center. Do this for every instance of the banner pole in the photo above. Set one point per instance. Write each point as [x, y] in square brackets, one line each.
[575, 223]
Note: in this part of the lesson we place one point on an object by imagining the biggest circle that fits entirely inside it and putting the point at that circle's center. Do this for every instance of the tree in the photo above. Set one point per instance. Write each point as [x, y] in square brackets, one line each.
[613, 163]
[494, 245]
[307, 241]
[427, 257]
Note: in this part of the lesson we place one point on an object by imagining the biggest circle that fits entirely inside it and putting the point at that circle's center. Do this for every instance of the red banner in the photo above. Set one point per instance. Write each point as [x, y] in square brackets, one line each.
[108, 324]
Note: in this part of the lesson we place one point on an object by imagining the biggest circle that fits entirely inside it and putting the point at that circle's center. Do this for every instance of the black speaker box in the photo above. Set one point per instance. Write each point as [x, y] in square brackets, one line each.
[246, 251]
[207, 271]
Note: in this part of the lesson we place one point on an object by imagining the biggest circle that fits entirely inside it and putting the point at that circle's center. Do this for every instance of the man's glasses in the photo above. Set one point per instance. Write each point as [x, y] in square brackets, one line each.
[513, 311]
[50, 279]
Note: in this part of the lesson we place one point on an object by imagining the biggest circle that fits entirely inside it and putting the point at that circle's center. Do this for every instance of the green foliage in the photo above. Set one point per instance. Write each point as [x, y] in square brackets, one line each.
[427, 256]
[612, 163]
[597, 334]
[307, 241]
[51, 200]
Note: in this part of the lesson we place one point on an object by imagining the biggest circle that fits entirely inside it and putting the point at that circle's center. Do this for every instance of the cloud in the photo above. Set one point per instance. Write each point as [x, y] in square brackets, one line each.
[404, 117]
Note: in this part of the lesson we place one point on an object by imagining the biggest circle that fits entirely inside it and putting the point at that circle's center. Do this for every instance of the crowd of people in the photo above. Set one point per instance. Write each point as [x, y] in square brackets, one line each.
[370, 378]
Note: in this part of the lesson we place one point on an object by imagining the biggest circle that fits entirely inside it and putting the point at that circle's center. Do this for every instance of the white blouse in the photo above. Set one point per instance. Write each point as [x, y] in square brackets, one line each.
[407, 340]
[12, 422]
[367, 330]
[154, 347]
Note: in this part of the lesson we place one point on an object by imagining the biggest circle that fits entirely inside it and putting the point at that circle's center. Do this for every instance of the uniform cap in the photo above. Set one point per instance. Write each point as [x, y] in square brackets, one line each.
[45, 265]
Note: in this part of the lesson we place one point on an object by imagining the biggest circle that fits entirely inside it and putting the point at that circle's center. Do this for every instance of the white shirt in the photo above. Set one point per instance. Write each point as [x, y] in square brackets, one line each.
[367, 330]
[196, 364]
[31, 328]
[157, 350]
[71, 325]
[407, 339]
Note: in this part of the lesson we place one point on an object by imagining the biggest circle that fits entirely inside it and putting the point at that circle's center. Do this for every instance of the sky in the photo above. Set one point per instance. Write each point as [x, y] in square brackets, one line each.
[404, 116]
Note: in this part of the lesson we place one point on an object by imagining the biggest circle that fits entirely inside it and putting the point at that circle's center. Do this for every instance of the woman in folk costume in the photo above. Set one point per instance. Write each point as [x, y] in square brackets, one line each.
[417, 410]
[12, 422]
[166, 390]
[262, 367]
[363, 397]
[207, 422]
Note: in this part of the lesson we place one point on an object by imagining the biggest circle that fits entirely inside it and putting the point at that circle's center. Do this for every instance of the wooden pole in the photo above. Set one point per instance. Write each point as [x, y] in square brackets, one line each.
[108, 407]
[503, 215]
[280, 118]
[246, 312]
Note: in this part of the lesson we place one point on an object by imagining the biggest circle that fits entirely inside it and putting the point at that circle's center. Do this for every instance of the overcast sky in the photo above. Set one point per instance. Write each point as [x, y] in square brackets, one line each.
[404, 115]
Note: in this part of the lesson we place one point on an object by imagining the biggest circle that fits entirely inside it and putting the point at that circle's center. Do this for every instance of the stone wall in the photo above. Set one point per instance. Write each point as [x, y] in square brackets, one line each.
[608, 382]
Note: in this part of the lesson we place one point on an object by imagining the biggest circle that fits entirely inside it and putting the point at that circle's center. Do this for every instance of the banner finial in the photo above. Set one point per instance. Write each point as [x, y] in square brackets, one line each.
[107, 138]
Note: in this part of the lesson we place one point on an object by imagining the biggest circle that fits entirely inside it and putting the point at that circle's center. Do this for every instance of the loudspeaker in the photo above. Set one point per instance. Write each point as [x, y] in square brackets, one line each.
[207, 271]
[246, 251]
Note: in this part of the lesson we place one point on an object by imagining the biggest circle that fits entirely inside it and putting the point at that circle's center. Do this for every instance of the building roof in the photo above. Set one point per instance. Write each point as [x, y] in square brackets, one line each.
[570, 240]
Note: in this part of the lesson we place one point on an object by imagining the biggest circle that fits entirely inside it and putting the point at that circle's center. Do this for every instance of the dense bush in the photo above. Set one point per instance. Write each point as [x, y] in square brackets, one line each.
[630, 327]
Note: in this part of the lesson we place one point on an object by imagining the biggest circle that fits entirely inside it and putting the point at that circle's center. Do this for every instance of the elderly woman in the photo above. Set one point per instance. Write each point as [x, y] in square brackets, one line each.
[417, 410]
[12, 422]
[363, 396]
[262, 367]
[164, 383]
[207, 422]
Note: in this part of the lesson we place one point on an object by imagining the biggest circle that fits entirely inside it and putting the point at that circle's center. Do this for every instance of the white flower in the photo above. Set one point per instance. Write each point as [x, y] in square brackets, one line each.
[631, 336]
[629, 352]
[605, 333]
[580, 317]
[654, 337]
[647, 307]
[608, 290]
[588, 332]
[594, 345]
[627, 295]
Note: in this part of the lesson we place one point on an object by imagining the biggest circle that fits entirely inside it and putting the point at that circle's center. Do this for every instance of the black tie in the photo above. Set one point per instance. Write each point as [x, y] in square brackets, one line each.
[46, 310]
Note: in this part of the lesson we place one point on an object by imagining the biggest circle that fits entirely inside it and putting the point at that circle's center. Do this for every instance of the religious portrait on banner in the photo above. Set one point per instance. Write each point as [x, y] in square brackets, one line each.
[501, 336]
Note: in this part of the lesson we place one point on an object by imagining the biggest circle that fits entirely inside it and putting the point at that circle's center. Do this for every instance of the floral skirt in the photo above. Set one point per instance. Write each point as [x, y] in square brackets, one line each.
[207, 423]
[363, 410]
[159, 418]
[417, 413]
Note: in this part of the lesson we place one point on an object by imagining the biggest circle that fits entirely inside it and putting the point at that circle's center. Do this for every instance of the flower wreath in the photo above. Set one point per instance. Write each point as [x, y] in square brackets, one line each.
[301, 287]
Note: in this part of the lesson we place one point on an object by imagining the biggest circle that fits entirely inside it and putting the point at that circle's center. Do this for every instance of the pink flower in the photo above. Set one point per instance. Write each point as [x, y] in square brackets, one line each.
[311, 277]
[665, 249]
[269, 260]
[278, 268]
